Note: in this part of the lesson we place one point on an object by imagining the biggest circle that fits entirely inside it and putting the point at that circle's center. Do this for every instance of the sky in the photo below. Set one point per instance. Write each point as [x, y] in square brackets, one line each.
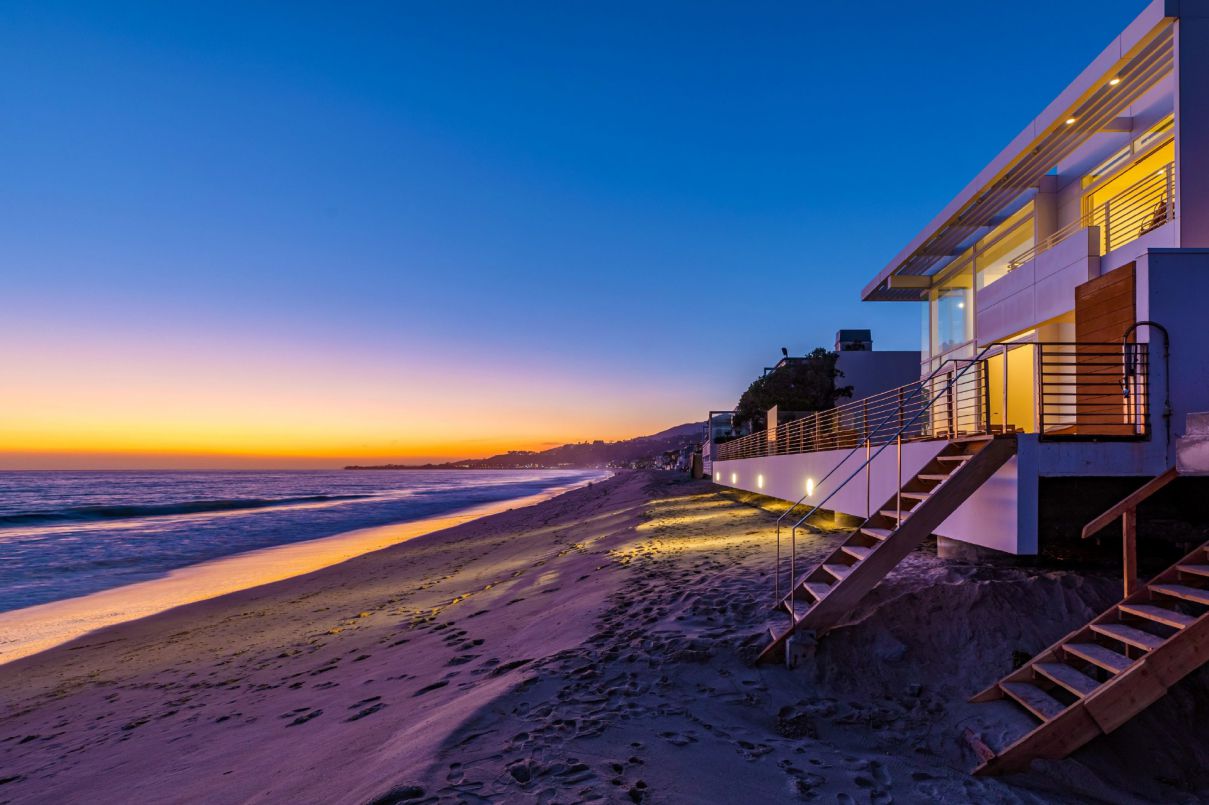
[302, 234]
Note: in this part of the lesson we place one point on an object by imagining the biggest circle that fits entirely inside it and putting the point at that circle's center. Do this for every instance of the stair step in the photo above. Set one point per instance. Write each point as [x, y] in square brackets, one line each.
[857, 551]
[1096, 654]
[1168, 617]
[1034, 699]
[839, 571]
[932, 476]
[816, 588]
[1181, 591]
[917, 495]
[1075, 681]
[876, 533]
[796, 609]
[1128, 635]
[1196, 570]
[893, 514]
[954, 458]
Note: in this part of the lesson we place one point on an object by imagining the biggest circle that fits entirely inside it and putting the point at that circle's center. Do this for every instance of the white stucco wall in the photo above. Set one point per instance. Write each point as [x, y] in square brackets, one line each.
[989, 518]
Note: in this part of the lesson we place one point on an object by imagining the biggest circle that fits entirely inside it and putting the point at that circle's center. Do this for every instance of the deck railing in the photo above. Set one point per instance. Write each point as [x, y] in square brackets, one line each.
[1073, 390]
[1143, 206]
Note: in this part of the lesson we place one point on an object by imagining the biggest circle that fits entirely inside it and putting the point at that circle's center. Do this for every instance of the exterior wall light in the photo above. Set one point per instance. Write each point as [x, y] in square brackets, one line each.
[1070, 121]
[759, 482]
[733, 478]
[1114, 81]
[809, 487]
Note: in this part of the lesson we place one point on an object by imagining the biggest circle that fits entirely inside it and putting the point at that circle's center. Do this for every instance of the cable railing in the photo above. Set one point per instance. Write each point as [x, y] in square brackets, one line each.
[1093, 390]
[1140, 208]
[890, 417]
[852, 424]
[947, 412]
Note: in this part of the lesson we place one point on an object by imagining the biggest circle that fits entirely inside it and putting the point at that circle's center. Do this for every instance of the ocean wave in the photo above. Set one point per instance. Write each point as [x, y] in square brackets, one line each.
[80, 514]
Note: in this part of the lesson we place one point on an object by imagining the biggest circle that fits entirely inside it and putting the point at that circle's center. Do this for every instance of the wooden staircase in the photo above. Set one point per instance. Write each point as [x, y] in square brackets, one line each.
[820, 598]
[1103, 674]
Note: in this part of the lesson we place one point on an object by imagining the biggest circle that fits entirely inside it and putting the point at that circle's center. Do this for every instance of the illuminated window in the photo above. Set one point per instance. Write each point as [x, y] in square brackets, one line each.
[952, 308]
[993, 255]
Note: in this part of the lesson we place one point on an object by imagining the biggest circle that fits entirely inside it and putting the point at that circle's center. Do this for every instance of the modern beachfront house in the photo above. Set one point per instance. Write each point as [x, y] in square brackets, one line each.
[1065, 299]
[1032, 282]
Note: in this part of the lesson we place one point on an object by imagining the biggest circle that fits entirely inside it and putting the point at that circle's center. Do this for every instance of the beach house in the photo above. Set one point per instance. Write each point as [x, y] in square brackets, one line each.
[1063, 295]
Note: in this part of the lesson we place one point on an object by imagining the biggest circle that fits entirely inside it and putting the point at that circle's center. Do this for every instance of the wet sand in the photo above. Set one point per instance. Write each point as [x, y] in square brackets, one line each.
[32, 629]
[595, 647]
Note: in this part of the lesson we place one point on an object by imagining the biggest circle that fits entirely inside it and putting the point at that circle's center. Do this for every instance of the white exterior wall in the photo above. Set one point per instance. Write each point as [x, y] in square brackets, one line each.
[989, 518]
[1039, 290]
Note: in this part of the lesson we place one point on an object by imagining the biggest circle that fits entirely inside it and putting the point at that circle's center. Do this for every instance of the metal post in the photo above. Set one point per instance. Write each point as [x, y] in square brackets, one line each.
[1129, 547]
[1169, 180]
[1107, 228]
[1039, 389]
[868, 464]
[952, 395]
[1005, 389]
[899, 469]
[793, 573]
[776, 576]
[984, 374]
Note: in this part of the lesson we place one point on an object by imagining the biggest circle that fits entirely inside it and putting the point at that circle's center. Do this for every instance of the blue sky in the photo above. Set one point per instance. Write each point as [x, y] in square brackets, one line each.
[632, 205]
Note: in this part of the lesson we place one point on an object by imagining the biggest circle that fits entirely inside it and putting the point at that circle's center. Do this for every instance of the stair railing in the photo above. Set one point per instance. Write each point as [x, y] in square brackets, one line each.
[1127, 510]
[896, 439]
[865, 442]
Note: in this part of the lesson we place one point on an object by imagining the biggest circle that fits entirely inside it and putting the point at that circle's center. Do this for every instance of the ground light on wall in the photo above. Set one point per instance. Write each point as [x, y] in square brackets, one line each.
[759, 482]
[809, 487]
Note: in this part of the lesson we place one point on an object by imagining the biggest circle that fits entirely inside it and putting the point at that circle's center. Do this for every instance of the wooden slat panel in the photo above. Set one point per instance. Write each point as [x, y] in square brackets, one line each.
[1104, 309]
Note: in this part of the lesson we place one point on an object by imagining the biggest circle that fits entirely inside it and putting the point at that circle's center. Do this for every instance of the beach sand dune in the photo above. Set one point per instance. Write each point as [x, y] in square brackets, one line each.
[593, 647]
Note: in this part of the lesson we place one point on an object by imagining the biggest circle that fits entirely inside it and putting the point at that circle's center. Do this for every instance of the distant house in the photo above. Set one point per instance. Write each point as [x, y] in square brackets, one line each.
[1063, 294]
[871, 372]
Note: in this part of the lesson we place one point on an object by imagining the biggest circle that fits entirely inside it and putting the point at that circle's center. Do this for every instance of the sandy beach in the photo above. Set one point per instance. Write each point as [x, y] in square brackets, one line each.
[596, 646]
[27, 631]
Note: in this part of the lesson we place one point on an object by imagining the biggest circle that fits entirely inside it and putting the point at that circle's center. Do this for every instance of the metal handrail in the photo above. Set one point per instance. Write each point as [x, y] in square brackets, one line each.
[863, 443]
[793, 534]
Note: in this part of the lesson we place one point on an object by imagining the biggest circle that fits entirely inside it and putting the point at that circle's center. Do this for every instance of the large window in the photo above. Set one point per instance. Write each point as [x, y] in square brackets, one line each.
[952, 304]
[994, 254]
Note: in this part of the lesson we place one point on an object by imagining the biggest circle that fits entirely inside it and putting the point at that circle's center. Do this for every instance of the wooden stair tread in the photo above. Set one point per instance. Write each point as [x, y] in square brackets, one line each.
[954, 458]
[837, 570]
[1075, 681]
[795, 608]
[1182, 591]
[1162, 615]
[897, 537]
[932, 476]
[917, 495]
[1129, 635]
[1196, 570]
[856, 550]
[816, 588]
[1034, 699]
[1096, 654]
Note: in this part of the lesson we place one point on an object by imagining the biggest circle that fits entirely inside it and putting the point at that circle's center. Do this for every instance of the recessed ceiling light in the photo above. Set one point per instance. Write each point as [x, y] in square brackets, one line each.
[1114, 81]
[1070, 121]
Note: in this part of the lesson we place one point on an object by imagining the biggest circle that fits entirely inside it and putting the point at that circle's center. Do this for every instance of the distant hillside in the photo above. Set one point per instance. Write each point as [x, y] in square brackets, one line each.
[595, 454]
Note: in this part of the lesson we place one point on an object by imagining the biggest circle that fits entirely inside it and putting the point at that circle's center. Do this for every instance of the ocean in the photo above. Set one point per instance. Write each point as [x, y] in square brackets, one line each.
[66, 534]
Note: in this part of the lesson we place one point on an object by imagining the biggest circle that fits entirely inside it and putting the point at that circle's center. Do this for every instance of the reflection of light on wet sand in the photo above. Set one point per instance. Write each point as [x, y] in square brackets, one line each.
[37, 628]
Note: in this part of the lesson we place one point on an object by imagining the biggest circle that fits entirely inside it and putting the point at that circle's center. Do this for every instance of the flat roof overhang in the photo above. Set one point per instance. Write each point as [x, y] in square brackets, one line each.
[1143, 53]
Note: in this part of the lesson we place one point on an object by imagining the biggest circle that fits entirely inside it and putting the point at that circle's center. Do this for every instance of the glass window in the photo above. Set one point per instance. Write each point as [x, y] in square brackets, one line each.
[953, 310]
[994, 259]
